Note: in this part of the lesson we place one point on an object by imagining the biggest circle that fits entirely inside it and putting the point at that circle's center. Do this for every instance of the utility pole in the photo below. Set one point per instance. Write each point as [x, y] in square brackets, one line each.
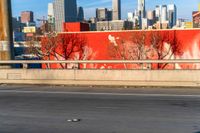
[6, 37]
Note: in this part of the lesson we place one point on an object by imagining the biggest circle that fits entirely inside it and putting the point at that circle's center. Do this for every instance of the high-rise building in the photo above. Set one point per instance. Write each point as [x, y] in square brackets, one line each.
[134, 17]
[116, 15]
[130, 16]
[50, 9]
[151, 17]
[101, 14]
[15, 25]
[141, 8]
[164, 14]
[158, 12]
[92, 23]
[109, 14]
[146, 23]
[141, 12]
[80, 14]
[172, 15]
[64, 11]
[27, 17]
[51, 17]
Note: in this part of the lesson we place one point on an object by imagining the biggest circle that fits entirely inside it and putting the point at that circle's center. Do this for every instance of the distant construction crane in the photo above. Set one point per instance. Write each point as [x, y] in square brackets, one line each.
[42, 21]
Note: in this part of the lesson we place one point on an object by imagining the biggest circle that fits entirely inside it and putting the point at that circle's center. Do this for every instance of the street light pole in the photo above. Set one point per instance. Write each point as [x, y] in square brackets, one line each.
[6, 37]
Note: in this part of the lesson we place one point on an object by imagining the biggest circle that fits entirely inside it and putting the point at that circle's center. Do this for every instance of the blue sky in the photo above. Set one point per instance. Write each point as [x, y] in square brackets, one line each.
[185, 7]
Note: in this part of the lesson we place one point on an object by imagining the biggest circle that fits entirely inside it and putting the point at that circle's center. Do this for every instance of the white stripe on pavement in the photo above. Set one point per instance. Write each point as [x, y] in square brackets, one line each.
[96, 93]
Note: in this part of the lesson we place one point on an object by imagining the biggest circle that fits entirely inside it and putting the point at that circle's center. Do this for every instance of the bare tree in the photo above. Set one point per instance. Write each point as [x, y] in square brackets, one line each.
[70, 47]
[134, 48]
[43, 51]
[139, 50]
[58, 47]
[142, 45]
[118, 50]
[165, 45]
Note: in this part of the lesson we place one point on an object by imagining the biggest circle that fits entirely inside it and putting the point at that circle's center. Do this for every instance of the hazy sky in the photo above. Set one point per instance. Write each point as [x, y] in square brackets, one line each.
[185, 7]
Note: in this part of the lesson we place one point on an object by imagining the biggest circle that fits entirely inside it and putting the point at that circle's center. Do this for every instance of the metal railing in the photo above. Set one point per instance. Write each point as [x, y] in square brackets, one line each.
[196, 61]
[148, 62]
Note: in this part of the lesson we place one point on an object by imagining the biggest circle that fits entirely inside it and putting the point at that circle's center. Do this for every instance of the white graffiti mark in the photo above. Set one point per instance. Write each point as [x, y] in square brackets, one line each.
[170, 55]
[194, 53]
[112, 39]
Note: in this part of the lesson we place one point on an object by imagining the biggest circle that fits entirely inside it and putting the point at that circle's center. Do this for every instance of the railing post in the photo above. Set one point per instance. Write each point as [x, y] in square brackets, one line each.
[149, 66]
[25, 66]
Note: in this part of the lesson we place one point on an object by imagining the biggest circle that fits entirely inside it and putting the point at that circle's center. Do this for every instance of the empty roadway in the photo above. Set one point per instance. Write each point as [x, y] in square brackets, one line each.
[51, 109]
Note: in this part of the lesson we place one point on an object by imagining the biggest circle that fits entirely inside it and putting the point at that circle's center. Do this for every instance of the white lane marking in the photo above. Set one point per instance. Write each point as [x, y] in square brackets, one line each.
[107, 107]
[96, 93]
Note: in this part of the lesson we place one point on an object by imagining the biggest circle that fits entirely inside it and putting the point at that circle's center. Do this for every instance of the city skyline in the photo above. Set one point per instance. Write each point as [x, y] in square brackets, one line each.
[91, 5]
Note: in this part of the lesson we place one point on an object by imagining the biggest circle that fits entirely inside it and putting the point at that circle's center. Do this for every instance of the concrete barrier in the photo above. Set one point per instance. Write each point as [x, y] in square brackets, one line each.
[101, 77]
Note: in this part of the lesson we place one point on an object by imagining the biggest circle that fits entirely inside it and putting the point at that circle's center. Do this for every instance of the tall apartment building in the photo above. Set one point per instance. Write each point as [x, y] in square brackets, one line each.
[130, 16]
[141, 8]
[51, 17]
[151, 17]
[80, 14]
[116, 15]
[164, 14]
[158, 12]
[101, 14]
[15, 25]
[27, 17]
[172, 15]
[64, 11]
[109, 14]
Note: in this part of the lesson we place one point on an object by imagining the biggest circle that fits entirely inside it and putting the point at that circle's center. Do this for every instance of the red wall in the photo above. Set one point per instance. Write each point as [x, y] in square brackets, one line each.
[75, 27]
[98, 48]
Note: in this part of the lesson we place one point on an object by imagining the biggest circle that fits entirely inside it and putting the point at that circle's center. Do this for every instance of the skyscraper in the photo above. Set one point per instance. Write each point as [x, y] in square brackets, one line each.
[141, 8]
[64, 11]
[80, 14]
[172, 15]
[101, 14]
[51, 17]
[130, 16]
[116, 9]
[158, 12]
[164, 14]
[109, 14]
[151, 17]
[50, 9]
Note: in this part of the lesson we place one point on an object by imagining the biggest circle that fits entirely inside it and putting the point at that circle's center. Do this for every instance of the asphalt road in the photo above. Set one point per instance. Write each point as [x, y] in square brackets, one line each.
[47, 109]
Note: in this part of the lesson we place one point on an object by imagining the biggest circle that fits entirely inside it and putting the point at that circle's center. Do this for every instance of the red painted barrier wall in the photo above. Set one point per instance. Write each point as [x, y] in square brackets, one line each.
[75, 27]
[131, 45]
